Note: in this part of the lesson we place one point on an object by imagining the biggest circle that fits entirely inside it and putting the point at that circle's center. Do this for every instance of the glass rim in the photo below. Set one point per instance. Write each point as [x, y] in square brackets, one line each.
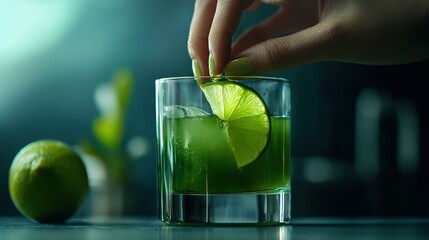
[233, 78]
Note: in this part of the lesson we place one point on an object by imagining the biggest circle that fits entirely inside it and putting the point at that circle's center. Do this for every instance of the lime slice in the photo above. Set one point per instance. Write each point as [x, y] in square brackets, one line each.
[243, 115]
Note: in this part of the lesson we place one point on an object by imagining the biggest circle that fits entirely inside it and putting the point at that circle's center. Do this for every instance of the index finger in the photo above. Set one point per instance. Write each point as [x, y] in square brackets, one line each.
[202, 18]
[225, 23]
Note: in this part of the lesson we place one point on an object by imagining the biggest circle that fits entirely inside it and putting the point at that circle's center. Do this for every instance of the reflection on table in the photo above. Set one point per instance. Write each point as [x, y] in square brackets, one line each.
[150, 228]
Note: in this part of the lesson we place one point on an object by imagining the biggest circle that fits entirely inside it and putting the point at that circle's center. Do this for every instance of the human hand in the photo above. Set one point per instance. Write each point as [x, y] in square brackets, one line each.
[304, 31]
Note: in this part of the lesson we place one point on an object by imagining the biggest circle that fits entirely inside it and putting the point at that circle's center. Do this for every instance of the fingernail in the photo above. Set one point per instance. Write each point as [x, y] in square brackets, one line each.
[196, 68]
[197, 71]
[212, 68]
[239, 67]
[212, 65]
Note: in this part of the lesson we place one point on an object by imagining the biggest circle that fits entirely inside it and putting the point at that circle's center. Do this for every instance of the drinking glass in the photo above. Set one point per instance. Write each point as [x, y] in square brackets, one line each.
[197, 176]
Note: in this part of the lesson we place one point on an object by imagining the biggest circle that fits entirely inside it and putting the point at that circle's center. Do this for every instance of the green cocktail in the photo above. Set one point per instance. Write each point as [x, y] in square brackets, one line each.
[223, 150]
[204, 162]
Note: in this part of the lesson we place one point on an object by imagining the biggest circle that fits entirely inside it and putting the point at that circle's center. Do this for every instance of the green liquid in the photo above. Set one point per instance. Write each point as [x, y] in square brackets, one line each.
[198, 159]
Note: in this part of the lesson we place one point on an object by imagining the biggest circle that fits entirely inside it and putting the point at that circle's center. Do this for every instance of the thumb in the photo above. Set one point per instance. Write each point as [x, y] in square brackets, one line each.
[316, 43]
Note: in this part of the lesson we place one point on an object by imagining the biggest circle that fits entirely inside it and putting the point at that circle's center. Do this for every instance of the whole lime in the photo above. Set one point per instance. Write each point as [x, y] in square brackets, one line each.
[48, 181]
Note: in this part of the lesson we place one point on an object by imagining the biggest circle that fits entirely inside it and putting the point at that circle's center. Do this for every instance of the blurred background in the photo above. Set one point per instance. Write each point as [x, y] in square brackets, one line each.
[360, 140]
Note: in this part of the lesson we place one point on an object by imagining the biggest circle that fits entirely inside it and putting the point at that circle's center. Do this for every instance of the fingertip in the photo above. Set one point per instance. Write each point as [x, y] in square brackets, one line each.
[219, 53]
[212, 67]
[196, 70]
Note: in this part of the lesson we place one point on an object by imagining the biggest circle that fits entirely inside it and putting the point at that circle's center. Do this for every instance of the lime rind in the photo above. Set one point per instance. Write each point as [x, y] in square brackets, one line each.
[248, 125]
[40, 184]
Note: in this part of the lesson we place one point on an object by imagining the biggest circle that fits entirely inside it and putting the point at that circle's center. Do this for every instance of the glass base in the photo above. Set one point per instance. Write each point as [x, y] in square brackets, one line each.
[261, 208]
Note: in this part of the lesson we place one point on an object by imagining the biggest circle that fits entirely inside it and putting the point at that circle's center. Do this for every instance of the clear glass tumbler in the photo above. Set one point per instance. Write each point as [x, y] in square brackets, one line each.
[198, 179]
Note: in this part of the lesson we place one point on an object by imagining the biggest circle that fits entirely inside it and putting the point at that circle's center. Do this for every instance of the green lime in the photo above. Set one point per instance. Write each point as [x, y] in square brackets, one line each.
[243, 115]
[48, 181]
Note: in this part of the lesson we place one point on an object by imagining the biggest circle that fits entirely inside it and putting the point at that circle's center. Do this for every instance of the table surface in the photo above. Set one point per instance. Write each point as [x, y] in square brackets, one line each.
[151, 228]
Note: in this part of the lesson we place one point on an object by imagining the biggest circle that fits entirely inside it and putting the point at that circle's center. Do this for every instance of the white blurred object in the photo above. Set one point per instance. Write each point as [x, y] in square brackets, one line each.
[318, 170]
[96, 170]
[373, 108]
[408, 143]
[106, 198]
[138, 147]
[106, 100]
[368, 110]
